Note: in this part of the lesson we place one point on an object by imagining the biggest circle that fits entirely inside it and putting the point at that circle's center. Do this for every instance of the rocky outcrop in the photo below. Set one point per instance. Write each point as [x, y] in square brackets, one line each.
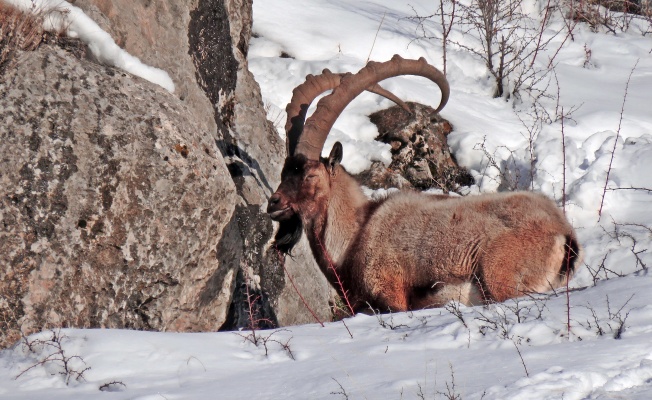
[203, 45]
[115, 202]
[254, 155]
[131, 207]
[421, 158]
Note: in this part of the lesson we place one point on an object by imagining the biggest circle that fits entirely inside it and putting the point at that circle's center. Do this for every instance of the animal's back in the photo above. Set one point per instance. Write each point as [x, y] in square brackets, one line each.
[422, 240]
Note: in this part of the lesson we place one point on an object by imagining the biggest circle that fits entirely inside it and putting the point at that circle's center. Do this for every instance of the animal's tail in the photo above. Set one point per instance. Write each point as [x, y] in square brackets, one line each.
[572, 258]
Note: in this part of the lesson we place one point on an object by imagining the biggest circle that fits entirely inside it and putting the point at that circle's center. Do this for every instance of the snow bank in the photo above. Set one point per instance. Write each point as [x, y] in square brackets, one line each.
[515, 350]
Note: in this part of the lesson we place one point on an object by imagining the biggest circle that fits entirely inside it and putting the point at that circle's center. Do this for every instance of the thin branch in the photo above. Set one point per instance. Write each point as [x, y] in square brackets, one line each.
[347, 329]
[643, 189]
[544, 22]
[331, 266]
[374, 43]
[342, 390]
[613, 151]
[563, 154]
[521, 357]
[305, 303]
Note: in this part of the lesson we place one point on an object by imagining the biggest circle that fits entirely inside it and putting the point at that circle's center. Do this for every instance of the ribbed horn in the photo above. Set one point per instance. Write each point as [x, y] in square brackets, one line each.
[304, 94]
[313, 134]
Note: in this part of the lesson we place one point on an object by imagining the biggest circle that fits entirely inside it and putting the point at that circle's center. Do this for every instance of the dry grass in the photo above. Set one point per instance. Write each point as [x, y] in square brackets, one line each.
[23, 31]
[612, 15]
[18, 32]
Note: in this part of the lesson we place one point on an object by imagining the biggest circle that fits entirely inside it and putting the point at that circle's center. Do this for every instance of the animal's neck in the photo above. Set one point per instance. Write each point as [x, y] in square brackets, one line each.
[333, 231]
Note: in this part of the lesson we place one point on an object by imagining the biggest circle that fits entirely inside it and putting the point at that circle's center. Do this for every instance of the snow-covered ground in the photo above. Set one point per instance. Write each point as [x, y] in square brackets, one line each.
[520, 349]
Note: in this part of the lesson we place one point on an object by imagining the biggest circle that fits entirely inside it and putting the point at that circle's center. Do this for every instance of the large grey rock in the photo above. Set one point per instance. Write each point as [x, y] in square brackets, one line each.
[115, 203]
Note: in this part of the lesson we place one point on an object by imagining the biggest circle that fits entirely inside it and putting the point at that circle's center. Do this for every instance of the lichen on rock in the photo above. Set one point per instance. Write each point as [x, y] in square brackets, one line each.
[104, 223]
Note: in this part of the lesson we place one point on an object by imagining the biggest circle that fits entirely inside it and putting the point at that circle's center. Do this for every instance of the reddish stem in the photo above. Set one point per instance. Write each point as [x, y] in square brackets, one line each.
[282, 262]
[568, 260]
[337, 276]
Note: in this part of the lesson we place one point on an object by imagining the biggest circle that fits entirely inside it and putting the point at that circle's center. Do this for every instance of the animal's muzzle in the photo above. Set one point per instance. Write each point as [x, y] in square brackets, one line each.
[277, 208]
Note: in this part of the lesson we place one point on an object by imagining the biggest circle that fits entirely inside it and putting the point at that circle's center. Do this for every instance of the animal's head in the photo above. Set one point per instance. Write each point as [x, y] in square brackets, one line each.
[305, 185]
[304, 191]
[306, 179]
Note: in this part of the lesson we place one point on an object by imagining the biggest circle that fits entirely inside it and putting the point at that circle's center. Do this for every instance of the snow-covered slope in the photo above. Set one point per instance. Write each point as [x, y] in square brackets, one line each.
[516, 350]
[521, 349]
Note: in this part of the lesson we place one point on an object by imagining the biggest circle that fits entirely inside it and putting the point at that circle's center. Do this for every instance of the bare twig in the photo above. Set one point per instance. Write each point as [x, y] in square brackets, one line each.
[544, 22]
[642, 189]
[57, 355]
[451, 389]
[614, 322]
[613, 151]
[331, 267]
[347, 329]
[619, 233]
[258, 340]
[388, 324]
[447, 21]
[447, 26]
[595, 274]
[374, 42]
[112, 386]
[453, 307]
[521, 357]
[253, 313]
[563, 155]
[303, 300]
[568, 307]
[342, 391]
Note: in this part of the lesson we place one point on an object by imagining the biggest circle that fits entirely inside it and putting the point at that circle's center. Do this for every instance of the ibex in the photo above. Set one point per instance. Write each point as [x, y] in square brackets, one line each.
[410, 250]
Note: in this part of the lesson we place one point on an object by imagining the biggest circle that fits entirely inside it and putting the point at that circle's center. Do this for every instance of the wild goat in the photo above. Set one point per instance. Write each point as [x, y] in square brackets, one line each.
[410, 250]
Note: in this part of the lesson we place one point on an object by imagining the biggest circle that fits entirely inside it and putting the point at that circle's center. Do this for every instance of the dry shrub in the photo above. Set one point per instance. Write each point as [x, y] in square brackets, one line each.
[612, 15]
[18, 32]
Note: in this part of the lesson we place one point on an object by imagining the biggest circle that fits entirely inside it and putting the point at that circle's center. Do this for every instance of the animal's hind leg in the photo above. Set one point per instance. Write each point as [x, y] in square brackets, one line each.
[517, 263]
[389, 290]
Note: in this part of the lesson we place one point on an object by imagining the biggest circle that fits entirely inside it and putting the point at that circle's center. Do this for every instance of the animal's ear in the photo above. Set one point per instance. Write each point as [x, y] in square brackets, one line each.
[335, 157]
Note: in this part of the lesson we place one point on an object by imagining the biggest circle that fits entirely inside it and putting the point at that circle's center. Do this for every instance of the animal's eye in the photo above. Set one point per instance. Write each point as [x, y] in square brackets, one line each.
[311, 176]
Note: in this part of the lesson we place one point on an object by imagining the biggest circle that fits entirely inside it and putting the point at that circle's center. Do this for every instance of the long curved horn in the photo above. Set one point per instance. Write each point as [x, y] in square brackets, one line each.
[316, 129]
[304, 94]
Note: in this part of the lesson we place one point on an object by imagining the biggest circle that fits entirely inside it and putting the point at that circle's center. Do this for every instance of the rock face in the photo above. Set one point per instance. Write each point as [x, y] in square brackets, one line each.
[203, 45]
[114, 202]
[126, 206]
[420, 155]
